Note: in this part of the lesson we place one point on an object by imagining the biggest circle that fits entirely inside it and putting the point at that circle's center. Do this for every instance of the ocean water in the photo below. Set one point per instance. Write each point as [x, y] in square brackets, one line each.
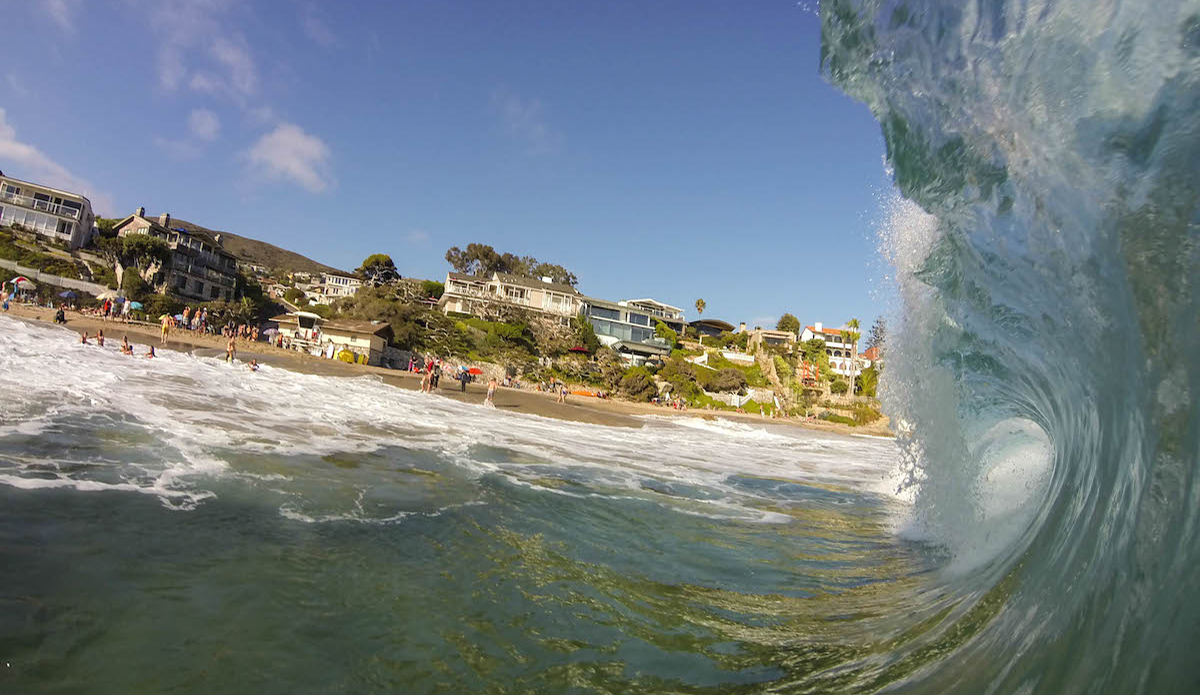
[180, 525]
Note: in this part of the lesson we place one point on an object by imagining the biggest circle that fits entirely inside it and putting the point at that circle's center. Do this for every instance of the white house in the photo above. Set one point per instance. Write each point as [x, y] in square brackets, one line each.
[310, 333]
[839, 351]
[59, 215]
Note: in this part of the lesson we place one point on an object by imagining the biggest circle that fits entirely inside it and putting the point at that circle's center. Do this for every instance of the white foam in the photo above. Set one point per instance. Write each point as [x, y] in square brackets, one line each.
[195, 420]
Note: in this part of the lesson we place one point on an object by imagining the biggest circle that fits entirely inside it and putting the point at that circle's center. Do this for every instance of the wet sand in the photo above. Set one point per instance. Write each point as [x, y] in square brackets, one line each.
[577, 408]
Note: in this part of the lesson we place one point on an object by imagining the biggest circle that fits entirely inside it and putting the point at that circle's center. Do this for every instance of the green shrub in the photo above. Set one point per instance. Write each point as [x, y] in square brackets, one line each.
[865, 414]
[294, 296]
[638, 384]
[839, 387]
[432, 289]
[840, 419]
[726, 380]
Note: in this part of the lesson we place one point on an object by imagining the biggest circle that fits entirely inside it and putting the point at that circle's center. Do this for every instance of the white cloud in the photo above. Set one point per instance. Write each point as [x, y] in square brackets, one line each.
[62, 13]
[235, 56]
[204, 124]
[35, 165]
[287, 153]
[316, 29]
[417, 236]
[525, 120]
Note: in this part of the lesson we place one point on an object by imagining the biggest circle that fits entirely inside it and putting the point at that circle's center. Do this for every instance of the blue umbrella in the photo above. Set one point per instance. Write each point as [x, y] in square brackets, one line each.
[135, 305]
[67, 295]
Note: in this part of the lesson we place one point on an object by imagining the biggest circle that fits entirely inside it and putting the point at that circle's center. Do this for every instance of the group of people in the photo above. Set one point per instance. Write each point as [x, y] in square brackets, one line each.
[126, 346]
[112, 311]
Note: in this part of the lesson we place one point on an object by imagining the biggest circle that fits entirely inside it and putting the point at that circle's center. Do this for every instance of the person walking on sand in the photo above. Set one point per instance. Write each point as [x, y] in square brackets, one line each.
[166, 328]
[562, 394]
[491, 393]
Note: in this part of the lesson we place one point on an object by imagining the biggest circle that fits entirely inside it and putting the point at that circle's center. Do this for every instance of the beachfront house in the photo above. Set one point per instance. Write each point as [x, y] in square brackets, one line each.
[334, 286]
[711, 327]
[836, 347]
[350, 341]
[199, 268]
[770, 338]
[485, 297]
[55, 214]
[629, 326]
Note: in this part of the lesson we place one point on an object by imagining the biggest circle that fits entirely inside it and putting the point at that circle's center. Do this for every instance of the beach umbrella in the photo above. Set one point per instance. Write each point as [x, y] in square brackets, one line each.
[67, 295]
[109, 295]
[23, 283]
[475, 370]
[135, 305]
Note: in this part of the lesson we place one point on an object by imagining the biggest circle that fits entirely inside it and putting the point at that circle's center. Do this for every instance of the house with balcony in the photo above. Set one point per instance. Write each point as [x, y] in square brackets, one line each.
[199, 268]
[839, 350]
[629, 326]
[770, 338]
[52, 213]
[486, 296]
[334, 286]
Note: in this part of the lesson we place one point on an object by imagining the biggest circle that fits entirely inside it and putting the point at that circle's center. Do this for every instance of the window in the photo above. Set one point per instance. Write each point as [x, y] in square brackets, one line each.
[181, 283]
[639, 319]
[11, 190]
[65, 227]
[214, 292]
[198, 287]
[605, 313]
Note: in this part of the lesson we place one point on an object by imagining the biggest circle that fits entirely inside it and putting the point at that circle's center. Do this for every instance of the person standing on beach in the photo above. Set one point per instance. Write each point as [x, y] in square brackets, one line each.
[463, 377]
[491, 393]
[562, 394]
[166, 328]
[436, 375]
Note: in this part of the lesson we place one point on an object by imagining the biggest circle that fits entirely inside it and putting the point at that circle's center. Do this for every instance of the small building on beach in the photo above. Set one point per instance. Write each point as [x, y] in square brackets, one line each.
[350, 341]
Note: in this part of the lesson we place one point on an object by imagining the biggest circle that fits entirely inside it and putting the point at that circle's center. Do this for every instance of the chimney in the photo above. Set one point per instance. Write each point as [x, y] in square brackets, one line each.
[817, 326]
[141, 212]
[165, 220]
[742, 327]
[217, 238]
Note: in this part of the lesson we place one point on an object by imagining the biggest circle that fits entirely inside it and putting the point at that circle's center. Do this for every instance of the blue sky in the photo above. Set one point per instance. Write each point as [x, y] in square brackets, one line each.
[666, 149]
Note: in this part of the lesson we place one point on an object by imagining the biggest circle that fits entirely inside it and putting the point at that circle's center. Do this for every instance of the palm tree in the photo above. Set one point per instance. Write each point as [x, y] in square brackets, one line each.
[852, 337]
[700, 305]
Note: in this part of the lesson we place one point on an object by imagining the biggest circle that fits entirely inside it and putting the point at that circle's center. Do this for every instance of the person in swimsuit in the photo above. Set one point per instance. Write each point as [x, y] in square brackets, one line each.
[491, 393]
[83, 339]
[126, 348]
[151, 355]
[166, 327]
[231, 350]
[100, 338]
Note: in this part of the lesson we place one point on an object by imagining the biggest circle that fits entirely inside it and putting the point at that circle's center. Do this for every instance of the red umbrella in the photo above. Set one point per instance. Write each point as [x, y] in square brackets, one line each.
[474, 370]
[578, 348]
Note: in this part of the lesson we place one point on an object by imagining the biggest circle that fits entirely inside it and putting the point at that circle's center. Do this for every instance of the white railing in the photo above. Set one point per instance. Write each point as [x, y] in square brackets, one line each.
[44, 205]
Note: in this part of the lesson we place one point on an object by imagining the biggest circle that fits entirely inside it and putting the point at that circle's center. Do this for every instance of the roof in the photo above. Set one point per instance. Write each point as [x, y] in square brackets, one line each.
[655, 302]
[536, 283]
[713, 323]
[871, 353]
[202, 236]
[465, 278]
[48, 188]
[356, 327]
[830, 331]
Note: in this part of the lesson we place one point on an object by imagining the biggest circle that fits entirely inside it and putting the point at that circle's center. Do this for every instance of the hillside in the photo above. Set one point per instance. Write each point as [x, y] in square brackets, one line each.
[257, 252]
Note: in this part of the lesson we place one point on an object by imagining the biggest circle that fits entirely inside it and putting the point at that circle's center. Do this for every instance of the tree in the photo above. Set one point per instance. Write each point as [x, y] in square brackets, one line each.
[838, 387]
[378, 269]
[878, 334]
[145, 253]
[868, 381]
[814, 354]
[432, 289]
[585, 335]
[788, 323]
[701, 305]
[294, 296]
[661, 331]
[851, 336]
[483, 260]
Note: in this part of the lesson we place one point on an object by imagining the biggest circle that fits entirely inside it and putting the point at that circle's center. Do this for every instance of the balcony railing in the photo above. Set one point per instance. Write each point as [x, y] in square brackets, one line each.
[43, 205]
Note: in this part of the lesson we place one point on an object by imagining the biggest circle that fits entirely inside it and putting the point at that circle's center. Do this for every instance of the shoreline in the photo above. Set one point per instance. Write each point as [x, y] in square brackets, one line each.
[595, 411]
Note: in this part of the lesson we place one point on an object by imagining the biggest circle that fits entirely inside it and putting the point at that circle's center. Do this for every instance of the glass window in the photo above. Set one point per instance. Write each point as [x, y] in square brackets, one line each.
[639, 319]
[605, 313]
[11, 190]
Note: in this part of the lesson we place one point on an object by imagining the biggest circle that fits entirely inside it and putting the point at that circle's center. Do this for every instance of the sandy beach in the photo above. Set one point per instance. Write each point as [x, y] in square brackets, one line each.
[615, 413]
